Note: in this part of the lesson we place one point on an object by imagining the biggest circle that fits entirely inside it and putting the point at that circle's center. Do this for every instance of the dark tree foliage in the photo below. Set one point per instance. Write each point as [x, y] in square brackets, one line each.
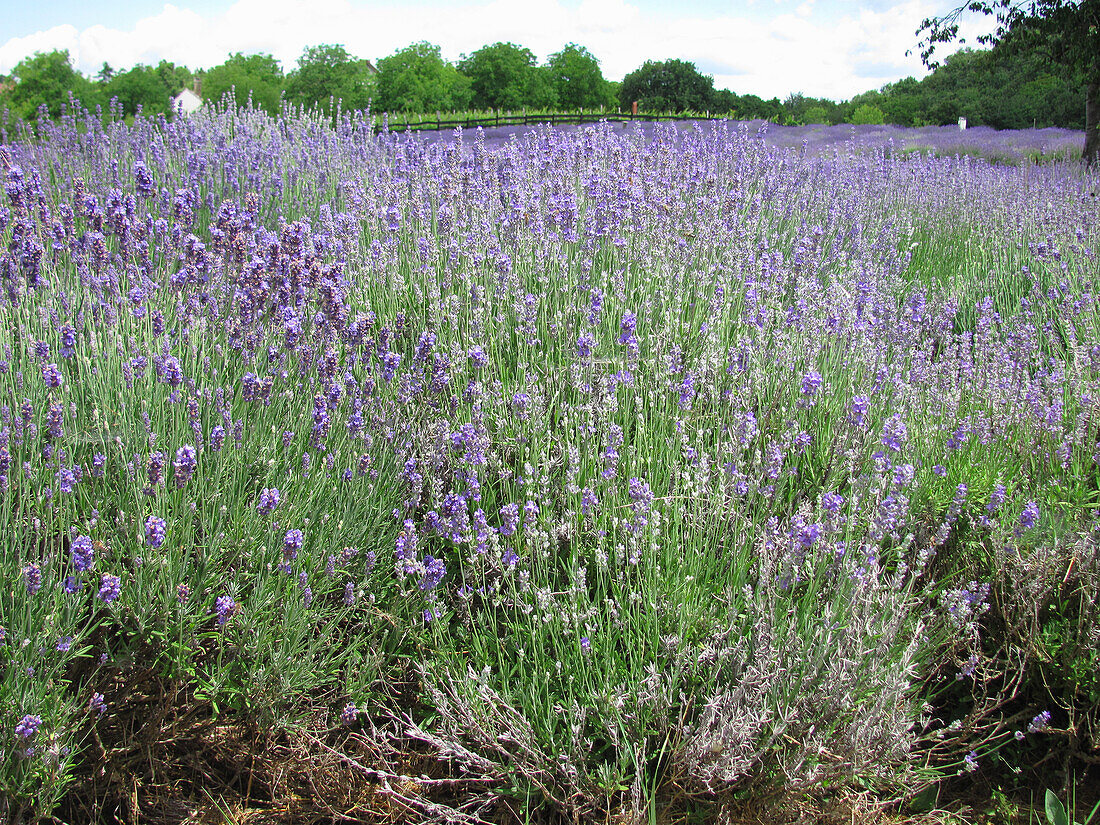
[577, 79]
[140, 87]
[175, 78]
[506, 76]
[328, 73]
[255, 76]
[1065, 32]
[670, 85]
[418, 79]
[47, 79]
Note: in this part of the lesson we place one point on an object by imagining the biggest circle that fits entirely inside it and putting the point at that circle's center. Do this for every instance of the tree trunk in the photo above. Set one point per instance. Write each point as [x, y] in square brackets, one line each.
[1091, 153]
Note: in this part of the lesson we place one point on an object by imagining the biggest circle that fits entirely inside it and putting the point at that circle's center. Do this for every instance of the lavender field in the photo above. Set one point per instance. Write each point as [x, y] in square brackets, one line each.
[607, 474]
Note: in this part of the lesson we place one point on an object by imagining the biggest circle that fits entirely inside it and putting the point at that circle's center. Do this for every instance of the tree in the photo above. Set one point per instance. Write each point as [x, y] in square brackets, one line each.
[505, 76]
[418, 79]
[815, 115]
[255, 75]
[671, 84]
[47, 79]
[141, 86]
[577, 79]
[1066, 32]
[105, 73]
[325, 73]
[174, 78]
[868, 114]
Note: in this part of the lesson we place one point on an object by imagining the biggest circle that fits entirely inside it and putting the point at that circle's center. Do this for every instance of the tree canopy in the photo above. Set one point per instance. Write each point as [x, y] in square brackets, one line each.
[669, 85]
[577, 79]
[418, 79]
[328, 72]
[1065, 32]
[506, 76]
[258, 76]
[46, 79]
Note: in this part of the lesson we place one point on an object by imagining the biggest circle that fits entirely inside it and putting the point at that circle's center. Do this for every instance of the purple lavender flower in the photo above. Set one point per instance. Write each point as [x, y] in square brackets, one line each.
[809, 534]
[269, 500]
[390, 362]
[434, 571]
[349, 714]
[217, 438]
[64, 644]
[143, 180]
[66, 480]
[832, 502]
[224, 607]
[171, 372]
[996, 499]
[68, 341]
[110, 588]
[857, 413]
[292, 543]
[1029, 516]
[55, 421]
[155, 531]
[894, 433]
[32, 578]
[586, 341]
[349, 593]
[509, 515]
[477, 357]
[811, 383]
[589, 501]
[28, 726]
[97, 705]
[51, 376]
[184, 465]
[83, 553]
[155, 469]
[1040, 723]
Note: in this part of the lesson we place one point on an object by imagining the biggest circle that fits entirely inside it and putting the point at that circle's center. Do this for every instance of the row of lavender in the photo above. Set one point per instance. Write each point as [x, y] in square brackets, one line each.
[646, 448]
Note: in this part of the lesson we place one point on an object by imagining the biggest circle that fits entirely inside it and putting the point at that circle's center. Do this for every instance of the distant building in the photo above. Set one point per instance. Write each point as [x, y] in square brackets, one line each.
[186, 101]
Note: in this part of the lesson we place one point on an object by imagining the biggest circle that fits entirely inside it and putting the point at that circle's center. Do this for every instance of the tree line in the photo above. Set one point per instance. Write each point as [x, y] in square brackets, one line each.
[998, 87]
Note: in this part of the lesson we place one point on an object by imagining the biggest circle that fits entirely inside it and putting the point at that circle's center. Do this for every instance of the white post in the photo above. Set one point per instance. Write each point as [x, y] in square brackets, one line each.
[962, 124]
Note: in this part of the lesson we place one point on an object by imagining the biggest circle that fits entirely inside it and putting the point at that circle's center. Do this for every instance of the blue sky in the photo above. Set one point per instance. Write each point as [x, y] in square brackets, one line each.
[830, 48]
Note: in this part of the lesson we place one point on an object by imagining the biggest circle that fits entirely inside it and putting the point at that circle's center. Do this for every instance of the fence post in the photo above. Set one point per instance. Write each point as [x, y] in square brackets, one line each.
[438, 119]
[633, 110]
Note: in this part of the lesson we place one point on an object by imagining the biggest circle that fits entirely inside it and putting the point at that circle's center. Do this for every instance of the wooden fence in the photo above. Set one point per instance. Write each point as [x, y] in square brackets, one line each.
[427, 124]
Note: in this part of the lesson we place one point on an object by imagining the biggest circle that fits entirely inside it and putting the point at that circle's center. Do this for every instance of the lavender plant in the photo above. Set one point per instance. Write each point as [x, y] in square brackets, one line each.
[657, 457]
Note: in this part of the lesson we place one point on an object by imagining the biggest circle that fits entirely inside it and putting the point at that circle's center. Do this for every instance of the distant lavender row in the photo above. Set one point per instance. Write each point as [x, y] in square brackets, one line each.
[1014, 147]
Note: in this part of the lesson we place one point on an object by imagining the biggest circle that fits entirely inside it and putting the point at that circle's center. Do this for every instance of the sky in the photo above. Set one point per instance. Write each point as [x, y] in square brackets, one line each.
[772, 48]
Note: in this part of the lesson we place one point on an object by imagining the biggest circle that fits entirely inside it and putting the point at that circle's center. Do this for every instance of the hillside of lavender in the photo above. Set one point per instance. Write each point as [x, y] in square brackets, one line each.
[593, 473]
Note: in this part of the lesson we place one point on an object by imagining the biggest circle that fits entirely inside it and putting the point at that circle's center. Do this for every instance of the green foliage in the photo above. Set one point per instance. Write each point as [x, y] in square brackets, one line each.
[506, 76]
[815, 114]
[418, 79]
[255, 76]
[673, 85]
[577, 79]
[753, 107]
[175, 78]
[142, 87]
[868, 114]
[47, 79]
[325, 73]
[1055, 811]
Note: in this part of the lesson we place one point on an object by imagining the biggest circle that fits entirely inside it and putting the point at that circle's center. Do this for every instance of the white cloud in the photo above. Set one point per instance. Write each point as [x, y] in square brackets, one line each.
[803, 51]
